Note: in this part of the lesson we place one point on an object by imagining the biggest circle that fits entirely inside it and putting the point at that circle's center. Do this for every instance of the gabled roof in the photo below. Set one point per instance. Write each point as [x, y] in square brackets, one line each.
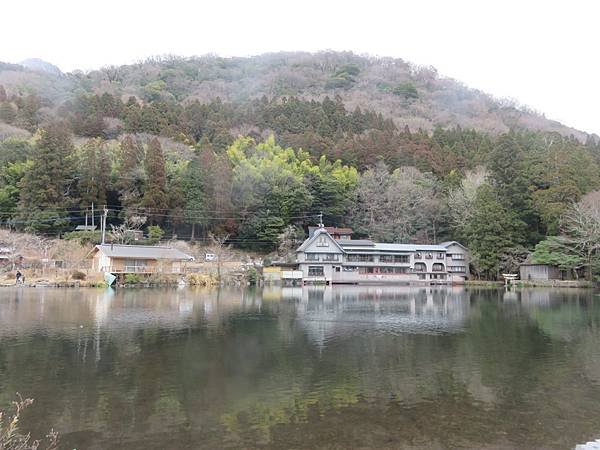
[449, 243]
[142, 252]
[317, 233]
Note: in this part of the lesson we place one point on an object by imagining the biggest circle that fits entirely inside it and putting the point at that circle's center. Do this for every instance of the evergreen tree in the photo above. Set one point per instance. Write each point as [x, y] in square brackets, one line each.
[130, 174]
[7, 112]
[492, 232]
[46, 186]
[155, 197]
[94, 173]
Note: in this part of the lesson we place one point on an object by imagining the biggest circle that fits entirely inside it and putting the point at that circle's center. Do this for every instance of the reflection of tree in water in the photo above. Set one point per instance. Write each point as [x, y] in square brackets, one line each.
[240, 370]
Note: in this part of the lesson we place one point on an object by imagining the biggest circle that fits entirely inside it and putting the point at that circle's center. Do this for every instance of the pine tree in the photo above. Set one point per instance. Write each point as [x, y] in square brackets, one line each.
[155, 197]
[7, 112]
[46, 185]
[94, 168]
[130, 174]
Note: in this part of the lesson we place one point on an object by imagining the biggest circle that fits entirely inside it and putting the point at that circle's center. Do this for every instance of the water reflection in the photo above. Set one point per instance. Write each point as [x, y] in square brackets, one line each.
[281, 368]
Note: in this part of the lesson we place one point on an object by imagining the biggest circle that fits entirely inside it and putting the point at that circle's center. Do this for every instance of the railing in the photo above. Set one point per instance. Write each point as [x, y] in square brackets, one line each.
[142, 269]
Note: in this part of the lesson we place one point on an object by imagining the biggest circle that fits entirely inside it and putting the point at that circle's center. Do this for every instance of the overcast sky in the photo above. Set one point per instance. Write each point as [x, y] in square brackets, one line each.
[542, 53]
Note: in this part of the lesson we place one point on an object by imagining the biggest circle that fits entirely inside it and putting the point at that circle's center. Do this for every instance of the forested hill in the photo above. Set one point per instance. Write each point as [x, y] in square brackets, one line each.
[255, 148]
[417, 97]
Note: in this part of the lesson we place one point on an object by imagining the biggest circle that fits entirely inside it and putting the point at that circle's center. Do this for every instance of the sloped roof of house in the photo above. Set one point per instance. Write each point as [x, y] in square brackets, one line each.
[449, 243]
[142, 252]
[317, 232]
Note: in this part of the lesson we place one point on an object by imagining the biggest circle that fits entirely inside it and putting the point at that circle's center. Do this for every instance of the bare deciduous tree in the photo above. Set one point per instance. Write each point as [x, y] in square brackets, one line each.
[125, 233]
[220, 248]
[581, 225]
[461, 200]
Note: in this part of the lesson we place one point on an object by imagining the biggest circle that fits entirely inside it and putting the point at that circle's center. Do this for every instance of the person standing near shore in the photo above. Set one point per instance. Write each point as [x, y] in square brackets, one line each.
[19, 275]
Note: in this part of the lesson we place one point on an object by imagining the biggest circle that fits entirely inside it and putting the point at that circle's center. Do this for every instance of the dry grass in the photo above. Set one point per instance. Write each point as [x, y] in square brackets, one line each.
[12, 438]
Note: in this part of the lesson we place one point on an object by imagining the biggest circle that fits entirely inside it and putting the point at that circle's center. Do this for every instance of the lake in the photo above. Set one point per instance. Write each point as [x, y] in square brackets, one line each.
[336, 368]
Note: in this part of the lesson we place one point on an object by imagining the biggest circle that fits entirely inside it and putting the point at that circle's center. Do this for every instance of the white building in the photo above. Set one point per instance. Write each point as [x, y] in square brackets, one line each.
[323, 259]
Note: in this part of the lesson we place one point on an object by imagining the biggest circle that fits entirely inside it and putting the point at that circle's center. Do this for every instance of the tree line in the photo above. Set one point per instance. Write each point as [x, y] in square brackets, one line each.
[261, 169]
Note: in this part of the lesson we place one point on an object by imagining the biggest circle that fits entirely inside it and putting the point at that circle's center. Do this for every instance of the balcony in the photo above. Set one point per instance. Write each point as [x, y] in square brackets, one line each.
[142, 269]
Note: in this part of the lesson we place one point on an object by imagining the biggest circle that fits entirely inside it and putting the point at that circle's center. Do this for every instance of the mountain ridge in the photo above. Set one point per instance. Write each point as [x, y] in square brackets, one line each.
[413, 96]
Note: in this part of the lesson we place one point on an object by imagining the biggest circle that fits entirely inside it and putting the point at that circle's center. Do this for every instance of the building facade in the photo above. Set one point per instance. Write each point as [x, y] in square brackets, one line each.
[323, 259]
[142, 259]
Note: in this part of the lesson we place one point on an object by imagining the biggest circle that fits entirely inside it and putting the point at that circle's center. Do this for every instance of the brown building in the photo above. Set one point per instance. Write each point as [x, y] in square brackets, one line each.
[144, 259]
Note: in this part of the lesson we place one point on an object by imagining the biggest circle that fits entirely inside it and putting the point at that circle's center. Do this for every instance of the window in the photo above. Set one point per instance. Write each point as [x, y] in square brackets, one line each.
[437, 276]
[312, 256]
[421, 276]
[366, 270]
[394, 258]
[401, 269]
[322, 242]
[438, 267]
[458, 269]
[330, 257]
[337, 269]
[429, 256]
[315, 271]
[420, 267]
[386, 270]
[350, 268]
[418, 255]
[440, 255]
[458, 256]
[360, 258]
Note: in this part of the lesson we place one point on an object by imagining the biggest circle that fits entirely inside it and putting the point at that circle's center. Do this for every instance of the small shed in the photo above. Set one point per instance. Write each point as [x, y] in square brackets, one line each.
[539, 272]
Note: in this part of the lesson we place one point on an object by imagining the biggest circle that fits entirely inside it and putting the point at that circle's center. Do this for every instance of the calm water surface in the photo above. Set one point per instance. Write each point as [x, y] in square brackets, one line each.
[348, 367]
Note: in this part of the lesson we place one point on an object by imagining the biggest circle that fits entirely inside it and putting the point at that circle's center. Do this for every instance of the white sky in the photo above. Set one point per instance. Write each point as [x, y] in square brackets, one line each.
[542, 53]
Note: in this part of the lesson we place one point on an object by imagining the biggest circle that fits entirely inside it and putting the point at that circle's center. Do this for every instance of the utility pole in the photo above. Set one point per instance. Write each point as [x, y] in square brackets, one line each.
[92, 215]
[103, 225]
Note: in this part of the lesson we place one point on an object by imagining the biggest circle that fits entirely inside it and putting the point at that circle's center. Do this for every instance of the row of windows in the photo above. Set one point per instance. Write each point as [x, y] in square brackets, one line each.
[322, 257]
[439, 255]
[394, 258]
[383, 258]
[317, 271]
[460, 269]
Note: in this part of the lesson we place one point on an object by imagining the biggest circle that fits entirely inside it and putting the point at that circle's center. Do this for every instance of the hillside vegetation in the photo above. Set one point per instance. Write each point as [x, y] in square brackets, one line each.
[255, 148]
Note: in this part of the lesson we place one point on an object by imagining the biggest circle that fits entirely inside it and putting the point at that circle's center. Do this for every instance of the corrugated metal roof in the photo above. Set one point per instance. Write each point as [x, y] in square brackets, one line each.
[355, 242]
[142, 252]
[397, 248]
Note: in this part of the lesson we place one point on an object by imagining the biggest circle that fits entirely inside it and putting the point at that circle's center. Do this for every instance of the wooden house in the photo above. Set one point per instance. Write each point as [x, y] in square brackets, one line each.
[143, 259]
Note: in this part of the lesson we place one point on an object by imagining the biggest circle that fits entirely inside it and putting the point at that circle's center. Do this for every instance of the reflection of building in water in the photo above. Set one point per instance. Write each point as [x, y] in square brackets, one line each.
[325, 311]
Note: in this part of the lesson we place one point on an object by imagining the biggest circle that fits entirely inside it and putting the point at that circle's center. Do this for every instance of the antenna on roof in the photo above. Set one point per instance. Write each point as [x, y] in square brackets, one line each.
[321, 220]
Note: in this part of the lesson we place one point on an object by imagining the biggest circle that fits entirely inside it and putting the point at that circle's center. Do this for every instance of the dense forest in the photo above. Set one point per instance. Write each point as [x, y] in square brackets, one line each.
[160, 146]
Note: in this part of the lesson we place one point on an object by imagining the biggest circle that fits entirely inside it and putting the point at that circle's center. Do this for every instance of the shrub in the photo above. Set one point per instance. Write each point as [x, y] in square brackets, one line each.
[200, 279]
[406, 90]
[155, 234]
[133, 278]
[252, 276]
[84, 237]
[78, 275]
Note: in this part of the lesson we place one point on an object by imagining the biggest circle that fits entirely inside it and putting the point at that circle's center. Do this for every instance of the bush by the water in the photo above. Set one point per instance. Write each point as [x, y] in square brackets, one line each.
[252, 276]
[200, 279]
[133, 278]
